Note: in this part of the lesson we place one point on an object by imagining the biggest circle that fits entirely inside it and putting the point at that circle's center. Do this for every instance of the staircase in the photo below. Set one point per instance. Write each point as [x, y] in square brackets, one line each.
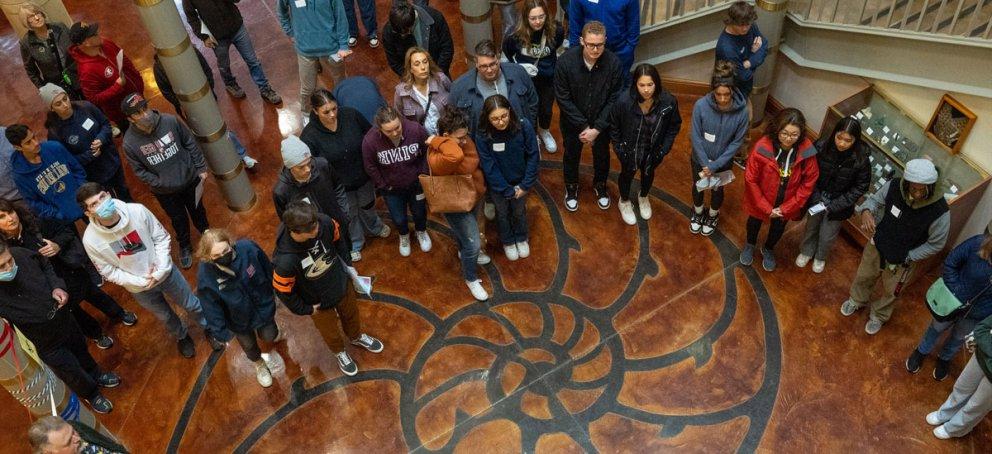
[962, 19]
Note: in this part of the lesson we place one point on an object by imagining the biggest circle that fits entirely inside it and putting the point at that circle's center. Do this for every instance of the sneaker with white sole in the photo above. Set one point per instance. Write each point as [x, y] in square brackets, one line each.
[709, 223]
[347, 364]
[602, 196]
[873, 326]
[523, 249]
[511, 252]
[424, 239]
[626, 208]
[104, 342]
[369, 343]
[933, 418]
[249, 162]
[849, 307]
[941, 433]
[802, 260]
[818, 266]
[696, 222]
[263, 374]
[489, 211]
[101, 404]
[273, 361]
[478, 291]
[572, 197]
[385, 231]
[374, 42]
[549, 141]
[352, 41]
[356, 256]
[644, 206]
[483, 259]
[405, 245]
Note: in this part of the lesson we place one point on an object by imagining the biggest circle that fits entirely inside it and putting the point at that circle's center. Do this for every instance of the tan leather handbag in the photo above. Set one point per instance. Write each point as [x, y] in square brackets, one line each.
[449, 193]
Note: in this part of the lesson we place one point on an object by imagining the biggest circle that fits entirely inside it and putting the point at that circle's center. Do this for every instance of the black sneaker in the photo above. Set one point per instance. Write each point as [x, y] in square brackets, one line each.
[941, 369]
[270, 96]
[915, 361]
[572, 197]
[709, 224]
[347, 364]
[129, 318]
[108, 380]
[185, 258]
[215, 344]
[104, 342]
[101, 404]
[369, 343]
[602, 196]
[235, 91]
[186, 347]
[696, 222]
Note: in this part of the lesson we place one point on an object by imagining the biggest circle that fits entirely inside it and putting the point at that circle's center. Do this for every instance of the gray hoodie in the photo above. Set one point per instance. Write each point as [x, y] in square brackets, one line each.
[716, 135]
[8, 190]
[168, 159]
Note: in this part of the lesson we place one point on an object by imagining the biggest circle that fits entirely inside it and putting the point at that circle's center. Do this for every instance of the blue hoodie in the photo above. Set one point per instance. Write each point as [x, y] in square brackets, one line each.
[319, 28]
[77, 132]
[737, 49]
[968, 276]
[716, 135]
[509, 159]
[50, 186]
[622, 19]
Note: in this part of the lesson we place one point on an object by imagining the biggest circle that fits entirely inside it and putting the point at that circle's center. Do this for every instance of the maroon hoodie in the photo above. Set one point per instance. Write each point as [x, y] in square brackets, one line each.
[395, 167]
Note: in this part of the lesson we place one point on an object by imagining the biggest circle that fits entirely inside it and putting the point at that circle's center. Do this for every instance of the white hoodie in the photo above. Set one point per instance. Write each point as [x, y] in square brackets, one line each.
[125, 253]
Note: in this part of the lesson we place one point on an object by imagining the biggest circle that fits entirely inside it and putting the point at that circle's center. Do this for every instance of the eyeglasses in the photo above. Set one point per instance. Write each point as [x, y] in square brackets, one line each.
[499, 118]
[787, 135]
[488, 65]
[595, 46]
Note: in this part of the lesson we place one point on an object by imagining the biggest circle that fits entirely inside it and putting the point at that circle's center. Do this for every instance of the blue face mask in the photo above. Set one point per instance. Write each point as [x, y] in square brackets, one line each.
[107, 208]
[8, 276]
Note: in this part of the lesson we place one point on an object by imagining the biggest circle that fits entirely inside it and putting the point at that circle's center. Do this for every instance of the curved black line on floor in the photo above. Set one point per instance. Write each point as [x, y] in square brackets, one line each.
[194, 397]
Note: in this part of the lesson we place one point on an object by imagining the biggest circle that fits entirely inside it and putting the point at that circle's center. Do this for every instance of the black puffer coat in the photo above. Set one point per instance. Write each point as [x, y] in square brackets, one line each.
[627, 122]
[844, 178]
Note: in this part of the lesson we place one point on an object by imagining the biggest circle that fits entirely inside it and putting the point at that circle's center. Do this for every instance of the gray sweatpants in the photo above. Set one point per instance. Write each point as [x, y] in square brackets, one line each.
[969, 402]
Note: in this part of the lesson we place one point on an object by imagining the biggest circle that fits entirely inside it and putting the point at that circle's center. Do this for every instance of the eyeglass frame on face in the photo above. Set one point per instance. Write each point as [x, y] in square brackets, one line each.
[502, 118]
[487, 66]
[594, 46]
[784, 134]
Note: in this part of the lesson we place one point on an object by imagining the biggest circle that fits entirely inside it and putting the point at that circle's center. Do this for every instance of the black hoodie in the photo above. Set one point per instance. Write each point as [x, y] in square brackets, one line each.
[342, 148]
[312, 273]
[323, 190]
[27, 301]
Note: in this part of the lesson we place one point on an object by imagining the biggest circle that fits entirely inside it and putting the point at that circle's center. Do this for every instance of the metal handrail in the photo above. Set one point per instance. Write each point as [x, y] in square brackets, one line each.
[882, 14]
[657, 12]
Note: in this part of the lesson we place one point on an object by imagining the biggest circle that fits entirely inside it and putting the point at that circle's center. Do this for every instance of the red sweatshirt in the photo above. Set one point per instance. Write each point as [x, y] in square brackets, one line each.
[98, 79]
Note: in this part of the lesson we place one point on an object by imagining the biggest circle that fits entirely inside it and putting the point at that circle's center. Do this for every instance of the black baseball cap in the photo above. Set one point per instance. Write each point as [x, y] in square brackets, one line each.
[133, 103]
[80, 31]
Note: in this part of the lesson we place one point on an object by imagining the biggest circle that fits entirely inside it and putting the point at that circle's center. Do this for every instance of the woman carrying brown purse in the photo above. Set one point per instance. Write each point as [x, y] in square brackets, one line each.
[452, 152]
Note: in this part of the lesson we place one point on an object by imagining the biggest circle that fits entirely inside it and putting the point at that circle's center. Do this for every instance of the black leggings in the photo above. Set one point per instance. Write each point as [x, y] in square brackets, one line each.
[545, 88]
[627, 171]
[775, 231]
[716, 198]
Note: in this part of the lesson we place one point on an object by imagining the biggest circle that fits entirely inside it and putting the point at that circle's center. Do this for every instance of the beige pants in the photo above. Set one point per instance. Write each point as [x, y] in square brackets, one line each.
[868, 275]
[308, 76]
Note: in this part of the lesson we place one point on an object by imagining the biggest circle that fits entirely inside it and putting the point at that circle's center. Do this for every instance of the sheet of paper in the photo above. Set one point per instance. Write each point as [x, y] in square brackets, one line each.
[120, 61]
[817, 208]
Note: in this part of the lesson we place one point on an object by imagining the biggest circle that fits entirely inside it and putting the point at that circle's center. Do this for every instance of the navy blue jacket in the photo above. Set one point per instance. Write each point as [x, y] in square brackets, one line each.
[514, 164]
[240, 304]
[737, 49]
[50, 186]
[521, 94]
[74, 134]
[531, 52]
[966, 275]
[360, 93]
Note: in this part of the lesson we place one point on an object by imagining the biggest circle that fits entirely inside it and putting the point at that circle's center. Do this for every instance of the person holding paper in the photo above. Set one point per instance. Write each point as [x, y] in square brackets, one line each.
[313, 276]
[644, 123]
[164, 154]
[779, 178]
[844, 178]
[971, 398]
[719, 124]
[908, 221]
[106, 75]
[130, 248]
[233, 284]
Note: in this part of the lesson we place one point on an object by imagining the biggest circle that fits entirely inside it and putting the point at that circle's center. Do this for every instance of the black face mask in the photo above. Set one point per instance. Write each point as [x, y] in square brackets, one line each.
[226, 259]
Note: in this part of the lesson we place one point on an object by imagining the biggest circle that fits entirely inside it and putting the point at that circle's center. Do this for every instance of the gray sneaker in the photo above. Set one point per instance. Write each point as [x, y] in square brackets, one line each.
[849, 307]
[747, 255]
[369, 343]
[767, 259]
[872, 326]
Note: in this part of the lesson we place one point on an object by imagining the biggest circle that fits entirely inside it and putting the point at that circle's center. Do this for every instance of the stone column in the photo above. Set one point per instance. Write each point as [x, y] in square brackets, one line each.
[477, 23]
[172, 44]
[35, 386]
[54, 10]
[771, 18]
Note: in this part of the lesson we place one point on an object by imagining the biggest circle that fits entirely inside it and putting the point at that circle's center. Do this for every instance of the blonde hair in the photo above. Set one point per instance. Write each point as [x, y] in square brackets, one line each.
[28, 10]
[432, 68]
[209, 239]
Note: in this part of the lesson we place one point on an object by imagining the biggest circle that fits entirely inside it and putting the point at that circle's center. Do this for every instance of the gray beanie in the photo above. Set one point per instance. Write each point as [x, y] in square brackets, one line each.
[294, 151]
[920, 171]
[48, 93]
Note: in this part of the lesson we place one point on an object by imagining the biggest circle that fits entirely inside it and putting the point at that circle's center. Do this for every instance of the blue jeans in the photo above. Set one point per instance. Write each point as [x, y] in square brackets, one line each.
[241, 42]
[399, 200]
[367, 8]
[178, 290]
[958, 330]
[238, 147]
[466, 230]
[511, 218]
[362, 217]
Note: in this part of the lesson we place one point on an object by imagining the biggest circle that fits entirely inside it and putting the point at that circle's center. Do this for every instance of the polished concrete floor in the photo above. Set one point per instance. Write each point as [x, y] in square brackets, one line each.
[608, 338]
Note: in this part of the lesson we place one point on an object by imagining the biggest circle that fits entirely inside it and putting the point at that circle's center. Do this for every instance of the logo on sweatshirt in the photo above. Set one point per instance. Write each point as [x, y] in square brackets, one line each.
[51, 177]
[320, 260]
[108, 72]
[73, 139]
[399, 154]
[161, 149]
[129, 244]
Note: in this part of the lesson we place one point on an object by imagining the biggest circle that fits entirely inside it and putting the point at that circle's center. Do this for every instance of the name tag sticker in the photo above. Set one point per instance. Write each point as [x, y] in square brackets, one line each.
[709, 137]
[88, 124]
[301, 3]
[307, 200]
[895, 211]
[499, 147]
[306, 262]
[421, 196]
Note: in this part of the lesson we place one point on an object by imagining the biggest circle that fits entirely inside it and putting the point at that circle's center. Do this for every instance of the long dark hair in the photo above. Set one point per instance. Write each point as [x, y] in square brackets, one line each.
[645, 69]
[786, 117]
[523, 32]
[849, 125]
[497, 102]
[29, 222]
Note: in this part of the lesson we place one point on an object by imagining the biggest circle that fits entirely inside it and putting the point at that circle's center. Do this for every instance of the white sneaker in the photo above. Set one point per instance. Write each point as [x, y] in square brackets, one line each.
[802, 260]
[511, 252]
[933, 418]
[478, 291]
[356, 256]
[405, 245]
[273, 361]
[941, 433]
[549, 141]
[483, 258]
[644, 204]
[425, 240]
[249, 162]
[523, 249]
[489, 211]
[626, 208]
[263, 374]
[818, 266]
[385, 231]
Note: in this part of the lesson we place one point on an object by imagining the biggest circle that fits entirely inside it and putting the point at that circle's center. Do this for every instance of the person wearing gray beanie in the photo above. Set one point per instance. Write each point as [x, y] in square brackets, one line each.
[48, 92]
[294, 151]
[311, 179]
[908, 221]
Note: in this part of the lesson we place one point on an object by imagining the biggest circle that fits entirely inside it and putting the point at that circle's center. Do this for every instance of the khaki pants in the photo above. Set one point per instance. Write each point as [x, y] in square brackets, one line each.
[330, 322]
[308, 76]
[868, 275]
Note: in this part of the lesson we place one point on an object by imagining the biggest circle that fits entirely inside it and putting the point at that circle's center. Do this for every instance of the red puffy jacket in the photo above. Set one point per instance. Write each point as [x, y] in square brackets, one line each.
[98, 79]
[761, 180]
